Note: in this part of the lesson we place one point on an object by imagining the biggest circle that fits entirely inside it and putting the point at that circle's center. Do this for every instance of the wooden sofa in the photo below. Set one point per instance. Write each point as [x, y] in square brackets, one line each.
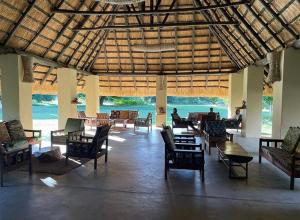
[124, 117]
[283, 153]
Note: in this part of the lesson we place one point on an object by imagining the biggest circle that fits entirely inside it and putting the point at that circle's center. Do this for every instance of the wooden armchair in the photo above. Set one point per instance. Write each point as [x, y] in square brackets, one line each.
[88, 121]
[176, 124]
[182, 155]
[90, 147]
[74, 127]
[181, 138]
[143, 122]
[215, 132]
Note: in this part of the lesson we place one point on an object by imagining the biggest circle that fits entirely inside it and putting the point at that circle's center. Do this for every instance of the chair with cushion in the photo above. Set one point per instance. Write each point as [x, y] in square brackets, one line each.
[88, 121]
[74, 127]
[181, 138]
[133, 115]
[143, 122]
[179, 124]
[15, 150]
[182, 155]
[283, 153]
[90, 147]
[214, 133]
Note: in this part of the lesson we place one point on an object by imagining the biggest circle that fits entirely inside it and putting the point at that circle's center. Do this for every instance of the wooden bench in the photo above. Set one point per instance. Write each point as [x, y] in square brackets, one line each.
[234, 155]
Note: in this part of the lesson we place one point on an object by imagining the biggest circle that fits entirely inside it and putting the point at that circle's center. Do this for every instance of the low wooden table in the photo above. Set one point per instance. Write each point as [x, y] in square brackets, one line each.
[234, 155]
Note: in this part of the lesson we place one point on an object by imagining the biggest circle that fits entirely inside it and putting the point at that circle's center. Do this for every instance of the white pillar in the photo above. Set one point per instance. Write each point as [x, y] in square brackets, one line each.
[252, 94]
[161, 100]
[235, 93]
[16, 95]
[92, 95]
[66, 92]
[286, 94]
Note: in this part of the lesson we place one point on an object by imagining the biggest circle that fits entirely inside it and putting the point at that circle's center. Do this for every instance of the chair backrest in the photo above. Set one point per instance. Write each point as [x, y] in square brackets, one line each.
[101, 135]
[81, 114]
[216, 128]
[102, 116]
[291, 139]
[167, 137]
[15, 130]
[149, 118]
[133, 115]
[74, 124]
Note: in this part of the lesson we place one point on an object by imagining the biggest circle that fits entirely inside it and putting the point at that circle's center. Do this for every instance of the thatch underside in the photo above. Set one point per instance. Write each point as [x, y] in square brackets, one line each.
[263, 26]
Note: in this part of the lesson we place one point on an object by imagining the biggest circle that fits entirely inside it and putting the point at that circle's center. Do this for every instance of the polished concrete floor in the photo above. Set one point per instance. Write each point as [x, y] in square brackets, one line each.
[132, 186]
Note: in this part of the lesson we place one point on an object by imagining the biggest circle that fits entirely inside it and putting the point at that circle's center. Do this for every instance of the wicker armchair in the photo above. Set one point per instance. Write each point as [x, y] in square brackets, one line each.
[215, 132]
[74, 127]
[143, 122]
[182, 155]
[90, 147]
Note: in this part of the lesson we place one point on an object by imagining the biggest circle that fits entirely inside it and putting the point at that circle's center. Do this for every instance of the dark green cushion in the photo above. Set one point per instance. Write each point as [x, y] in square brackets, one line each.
[291, 139]
[74, 124]
[4, 135]
[16, 145]
[15, 130]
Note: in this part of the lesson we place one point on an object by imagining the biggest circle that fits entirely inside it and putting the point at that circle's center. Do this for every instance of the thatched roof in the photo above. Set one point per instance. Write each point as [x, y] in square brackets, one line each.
[208, 43]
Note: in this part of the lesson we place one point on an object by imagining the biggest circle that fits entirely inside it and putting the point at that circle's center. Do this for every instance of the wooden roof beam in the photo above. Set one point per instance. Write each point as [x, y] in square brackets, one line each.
[167, 15]
[21, 18]
[152, 12]
[283, 24]
[171, 24]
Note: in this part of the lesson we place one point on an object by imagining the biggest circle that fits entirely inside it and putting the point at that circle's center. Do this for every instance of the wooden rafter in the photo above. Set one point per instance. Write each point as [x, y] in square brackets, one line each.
[157, 25]
[167, 15]
[21, 18]
[49, 72]
[151, 12]
[129, 44]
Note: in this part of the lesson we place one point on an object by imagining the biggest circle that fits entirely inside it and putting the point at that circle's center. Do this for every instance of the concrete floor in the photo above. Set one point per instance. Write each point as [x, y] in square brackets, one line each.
[132, 186]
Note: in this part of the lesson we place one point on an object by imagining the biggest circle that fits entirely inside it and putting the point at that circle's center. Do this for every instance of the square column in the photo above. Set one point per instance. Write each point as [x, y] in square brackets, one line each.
[92, 95]
[286, 94]
[16, 95]
[252, 94]
[235, 93]
[161, 100]
[66, 92]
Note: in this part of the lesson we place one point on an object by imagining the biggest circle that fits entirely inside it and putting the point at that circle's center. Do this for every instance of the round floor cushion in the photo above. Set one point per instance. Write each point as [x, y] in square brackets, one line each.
[49, 154]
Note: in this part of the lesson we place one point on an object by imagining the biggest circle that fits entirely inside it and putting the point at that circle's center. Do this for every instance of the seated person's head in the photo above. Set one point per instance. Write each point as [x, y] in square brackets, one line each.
[174, 110]
[237, 111]
[211, 109]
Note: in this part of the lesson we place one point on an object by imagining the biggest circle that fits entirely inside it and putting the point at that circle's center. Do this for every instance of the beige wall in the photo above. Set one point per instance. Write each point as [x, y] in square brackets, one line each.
[235, 92]
[161, 99]
[92, 95]
[16, 95]
[286, 94]
[252, 94]
[66, 91]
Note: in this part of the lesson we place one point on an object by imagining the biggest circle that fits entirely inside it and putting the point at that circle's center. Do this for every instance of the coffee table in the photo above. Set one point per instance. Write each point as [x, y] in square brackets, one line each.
[234, 155]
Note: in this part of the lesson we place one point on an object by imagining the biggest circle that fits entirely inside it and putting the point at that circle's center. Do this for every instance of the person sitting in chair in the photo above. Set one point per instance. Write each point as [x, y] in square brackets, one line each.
[178, 120]
[235, 121]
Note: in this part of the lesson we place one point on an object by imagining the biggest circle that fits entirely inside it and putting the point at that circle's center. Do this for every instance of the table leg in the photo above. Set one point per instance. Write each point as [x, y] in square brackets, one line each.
[229, 167]
[246, 170]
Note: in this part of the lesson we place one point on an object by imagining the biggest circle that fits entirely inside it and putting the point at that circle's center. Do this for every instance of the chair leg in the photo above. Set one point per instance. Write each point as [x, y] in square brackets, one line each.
[1, 170]
[106, 153]
[292, 182]
[67, 158]
[30, 160]
[95, 163]
[202, 174]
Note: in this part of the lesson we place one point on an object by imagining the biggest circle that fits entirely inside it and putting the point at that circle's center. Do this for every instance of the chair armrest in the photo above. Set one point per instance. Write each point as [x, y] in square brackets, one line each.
[189, 151]
[187, 145]
[33, 132]
[184, 135]
[268, 141]
[85, 138]
[57, 132]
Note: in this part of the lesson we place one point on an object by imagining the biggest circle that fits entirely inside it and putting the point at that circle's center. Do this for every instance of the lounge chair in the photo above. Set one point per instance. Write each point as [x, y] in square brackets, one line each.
[180, 138]
[182, 155]
[143, 122]
[90, 147]
[74, 127]
[283, 153]
[215, 132]
[15, 149]
[176, 124]
[88, 121]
